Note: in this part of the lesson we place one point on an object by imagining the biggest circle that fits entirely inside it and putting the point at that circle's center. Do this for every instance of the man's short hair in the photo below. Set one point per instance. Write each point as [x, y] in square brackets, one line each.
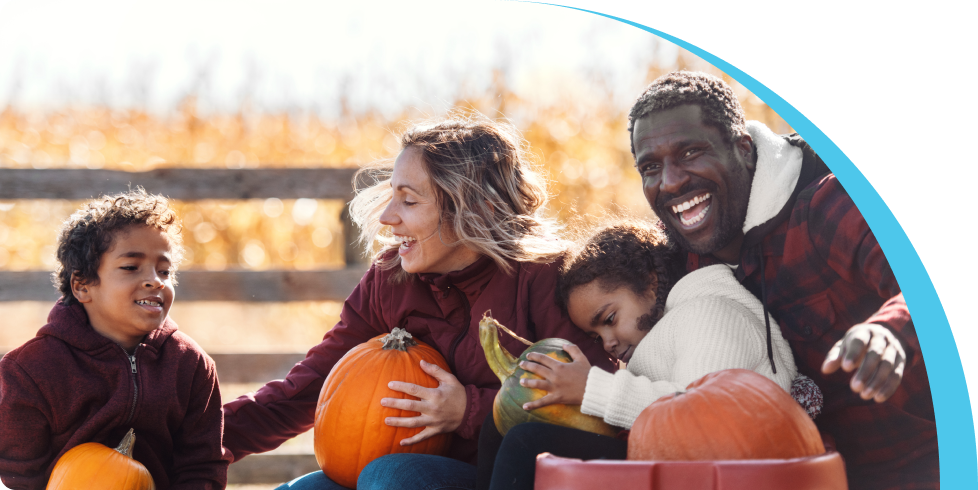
[720, 107]
[89, 233]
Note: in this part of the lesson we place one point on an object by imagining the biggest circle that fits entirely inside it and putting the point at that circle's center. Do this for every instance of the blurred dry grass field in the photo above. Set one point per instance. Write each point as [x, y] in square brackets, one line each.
[580, 144]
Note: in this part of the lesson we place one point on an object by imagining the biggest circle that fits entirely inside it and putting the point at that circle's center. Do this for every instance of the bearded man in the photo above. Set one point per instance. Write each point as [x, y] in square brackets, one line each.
[730, 191]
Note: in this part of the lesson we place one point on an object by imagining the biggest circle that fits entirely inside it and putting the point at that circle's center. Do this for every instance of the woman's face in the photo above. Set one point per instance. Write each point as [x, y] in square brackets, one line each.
[620, 318]
[413, 215]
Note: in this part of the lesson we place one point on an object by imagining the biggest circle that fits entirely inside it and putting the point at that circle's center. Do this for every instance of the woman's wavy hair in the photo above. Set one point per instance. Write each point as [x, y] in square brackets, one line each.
[486, 184]
[634, 253]
[88, 233]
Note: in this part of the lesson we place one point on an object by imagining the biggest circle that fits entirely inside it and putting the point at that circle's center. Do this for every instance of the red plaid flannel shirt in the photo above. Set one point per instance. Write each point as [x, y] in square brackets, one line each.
[823, 273]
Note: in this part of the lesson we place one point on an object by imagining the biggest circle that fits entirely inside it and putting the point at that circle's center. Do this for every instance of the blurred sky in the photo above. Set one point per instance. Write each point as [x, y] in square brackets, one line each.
[306, 54]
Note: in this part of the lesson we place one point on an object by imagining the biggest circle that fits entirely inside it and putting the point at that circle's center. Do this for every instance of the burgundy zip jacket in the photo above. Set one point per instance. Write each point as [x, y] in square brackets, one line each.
[441, 310]
[69, 385]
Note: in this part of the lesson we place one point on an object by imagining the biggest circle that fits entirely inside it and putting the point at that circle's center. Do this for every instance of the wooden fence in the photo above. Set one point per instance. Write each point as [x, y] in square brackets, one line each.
[190, 184]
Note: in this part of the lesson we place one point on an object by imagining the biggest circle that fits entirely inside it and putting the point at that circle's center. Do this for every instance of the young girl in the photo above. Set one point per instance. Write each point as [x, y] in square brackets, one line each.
[624, 281]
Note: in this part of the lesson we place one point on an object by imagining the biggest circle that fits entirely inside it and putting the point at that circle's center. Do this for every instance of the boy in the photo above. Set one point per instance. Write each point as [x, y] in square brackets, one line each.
[110, 359]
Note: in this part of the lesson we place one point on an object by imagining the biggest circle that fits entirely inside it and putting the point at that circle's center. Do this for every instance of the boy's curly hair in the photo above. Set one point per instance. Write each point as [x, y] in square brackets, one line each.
[633, 254]
[88, 233]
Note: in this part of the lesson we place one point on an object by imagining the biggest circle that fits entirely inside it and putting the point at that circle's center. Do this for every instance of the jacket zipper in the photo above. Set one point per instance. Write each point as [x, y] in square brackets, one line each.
[461, 335]
[135, 387]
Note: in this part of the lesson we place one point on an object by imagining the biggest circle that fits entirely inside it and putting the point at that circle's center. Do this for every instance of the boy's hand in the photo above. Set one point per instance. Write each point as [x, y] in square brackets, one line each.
[878, 354]
[563, 381]
[441, 409]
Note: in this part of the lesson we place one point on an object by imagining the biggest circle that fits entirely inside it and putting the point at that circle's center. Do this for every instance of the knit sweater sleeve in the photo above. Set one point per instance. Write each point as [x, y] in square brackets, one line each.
[694, 339]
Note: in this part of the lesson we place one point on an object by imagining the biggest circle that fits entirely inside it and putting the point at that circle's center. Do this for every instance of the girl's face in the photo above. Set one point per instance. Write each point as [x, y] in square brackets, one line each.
[427, 244]
[620, 318]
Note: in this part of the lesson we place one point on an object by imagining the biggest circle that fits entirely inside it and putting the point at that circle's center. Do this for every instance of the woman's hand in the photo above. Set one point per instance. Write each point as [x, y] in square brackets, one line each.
[441, 409]
[563, 381]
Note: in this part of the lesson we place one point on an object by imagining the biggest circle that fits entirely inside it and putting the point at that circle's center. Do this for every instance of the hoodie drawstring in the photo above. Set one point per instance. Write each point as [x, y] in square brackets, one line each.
[767, 320]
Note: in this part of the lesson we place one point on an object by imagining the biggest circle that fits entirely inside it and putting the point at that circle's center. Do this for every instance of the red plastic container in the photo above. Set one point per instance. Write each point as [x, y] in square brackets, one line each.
[823, 472]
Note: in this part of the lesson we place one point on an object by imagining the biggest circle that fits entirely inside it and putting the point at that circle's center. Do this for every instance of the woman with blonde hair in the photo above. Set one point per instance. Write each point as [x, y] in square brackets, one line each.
[458, 218]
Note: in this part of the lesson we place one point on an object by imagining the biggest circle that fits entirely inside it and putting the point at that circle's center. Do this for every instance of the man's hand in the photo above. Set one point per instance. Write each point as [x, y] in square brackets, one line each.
[563, 381]
[441, 409]
[878, 355]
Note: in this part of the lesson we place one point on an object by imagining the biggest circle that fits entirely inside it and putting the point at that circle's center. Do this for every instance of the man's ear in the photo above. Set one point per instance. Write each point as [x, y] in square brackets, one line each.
[79, 289]
[744, 146]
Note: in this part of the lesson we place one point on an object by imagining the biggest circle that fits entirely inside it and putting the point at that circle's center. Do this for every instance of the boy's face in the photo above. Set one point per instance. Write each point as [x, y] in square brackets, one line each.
[134, 291]
[620, 318]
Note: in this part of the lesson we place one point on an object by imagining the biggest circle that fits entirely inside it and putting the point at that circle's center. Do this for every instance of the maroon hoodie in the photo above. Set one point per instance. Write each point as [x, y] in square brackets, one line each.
[69, 385]
[441, 310]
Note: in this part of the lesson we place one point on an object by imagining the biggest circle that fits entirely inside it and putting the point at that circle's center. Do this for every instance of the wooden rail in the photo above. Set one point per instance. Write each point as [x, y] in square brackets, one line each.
[191, 184]
[227, 285]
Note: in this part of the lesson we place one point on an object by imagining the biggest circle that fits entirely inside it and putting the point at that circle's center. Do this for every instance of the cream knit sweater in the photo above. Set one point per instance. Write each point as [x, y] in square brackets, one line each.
[711, 322]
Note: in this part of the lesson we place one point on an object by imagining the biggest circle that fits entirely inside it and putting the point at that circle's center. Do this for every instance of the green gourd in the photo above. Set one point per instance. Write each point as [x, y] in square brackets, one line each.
[507, 408]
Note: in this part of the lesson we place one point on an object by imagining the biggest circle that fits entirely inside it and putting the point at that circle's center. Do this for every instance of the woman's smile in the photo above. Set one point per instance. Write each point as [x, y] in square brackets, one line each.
[426, 243]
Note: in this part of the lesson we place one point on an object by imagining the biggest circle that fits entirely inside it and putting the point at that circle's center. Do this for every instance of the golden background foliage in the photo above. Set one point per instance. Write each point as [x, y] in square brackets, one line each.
[581, 143]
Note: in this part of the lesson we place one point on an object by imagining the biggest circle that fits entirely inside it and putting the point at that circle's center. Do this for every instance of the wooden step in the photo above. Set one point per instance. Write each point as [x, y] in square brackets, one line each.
[271, 468]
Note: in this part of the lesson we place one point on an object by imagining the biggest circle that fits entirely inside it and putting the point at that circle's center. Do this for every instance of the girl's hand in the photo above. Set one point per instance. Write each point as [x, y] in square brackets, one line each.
[441, 409]
[563, 381]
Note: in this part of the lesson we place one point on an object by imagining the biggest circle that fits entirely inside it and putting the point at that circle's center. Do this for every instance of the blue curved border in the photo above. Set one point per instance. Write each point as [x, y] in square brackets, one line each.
[955, 427]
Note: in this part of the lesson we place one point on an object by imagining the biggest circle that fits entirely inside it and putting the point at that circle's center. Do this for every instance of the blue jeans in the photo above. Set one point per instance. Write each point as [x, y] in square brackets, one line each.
[398, 471]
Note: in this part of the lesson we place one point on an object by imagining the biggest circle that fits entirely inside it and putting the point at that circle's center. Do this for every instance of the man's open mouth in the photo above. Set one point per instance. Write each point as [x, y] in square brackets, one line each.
[692, 211]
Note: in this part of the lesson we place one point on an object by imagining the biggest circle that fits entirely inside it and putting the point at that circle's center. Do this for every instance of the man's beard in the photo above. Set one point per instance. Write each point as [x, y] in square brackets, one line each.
[725, 230]
[725, 233]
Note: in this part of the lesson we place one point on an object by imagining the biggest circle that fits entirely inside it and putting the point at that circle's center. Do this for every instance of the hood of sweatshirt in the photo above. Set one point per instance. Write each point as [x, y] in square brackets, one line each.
[70, 324]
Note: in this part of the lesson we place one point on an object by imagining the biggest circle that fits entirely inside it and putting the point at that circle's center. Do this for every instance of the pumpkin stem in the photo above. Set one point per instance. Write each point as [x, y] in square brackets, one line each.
[500, 360]
[398, 339]
[128, 441]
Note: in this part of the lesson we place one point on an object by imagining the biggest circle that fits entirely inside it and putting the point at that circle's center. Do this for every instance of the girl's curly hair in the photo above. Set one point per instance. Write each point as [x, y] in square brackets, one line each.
[88, 233]
[633, 254]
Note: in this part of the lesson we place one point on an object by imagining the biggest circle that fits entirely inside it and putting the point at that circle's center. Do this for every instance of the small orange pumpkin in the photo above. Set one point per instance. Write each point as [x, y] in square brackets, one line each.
[507, 407]
[92, 466]
[726, 415]
[349, 429]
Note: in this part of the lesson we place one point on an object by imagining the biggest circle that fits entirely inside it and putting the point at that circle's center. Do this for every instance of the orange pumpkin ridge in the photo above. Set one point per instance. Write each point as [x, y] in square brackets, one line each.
[727, 415]
[350, 429]
[92, 466]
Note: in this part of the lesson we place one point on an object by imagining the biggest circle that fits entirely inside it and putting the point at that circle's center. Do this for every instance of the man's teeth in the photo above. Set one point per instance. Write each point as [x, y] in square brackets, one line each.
[678, 208]
[148, 302]
[694, 219]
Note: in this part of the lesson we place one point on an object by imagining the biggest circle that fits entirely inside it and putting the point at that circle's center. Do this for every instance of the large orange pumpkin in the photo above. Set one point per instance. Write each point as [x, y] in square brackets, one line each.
[507, 408]
[729, 414]
[349, 430]
[92, 466]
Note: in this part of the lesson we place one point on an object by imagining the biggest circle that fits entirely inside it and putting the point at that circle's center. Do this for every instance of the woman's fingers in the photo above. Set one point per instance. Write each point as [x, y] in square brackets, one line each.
[409, 388]
[404, 404]
[439, 409]
[418, 421]
[420, 436]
